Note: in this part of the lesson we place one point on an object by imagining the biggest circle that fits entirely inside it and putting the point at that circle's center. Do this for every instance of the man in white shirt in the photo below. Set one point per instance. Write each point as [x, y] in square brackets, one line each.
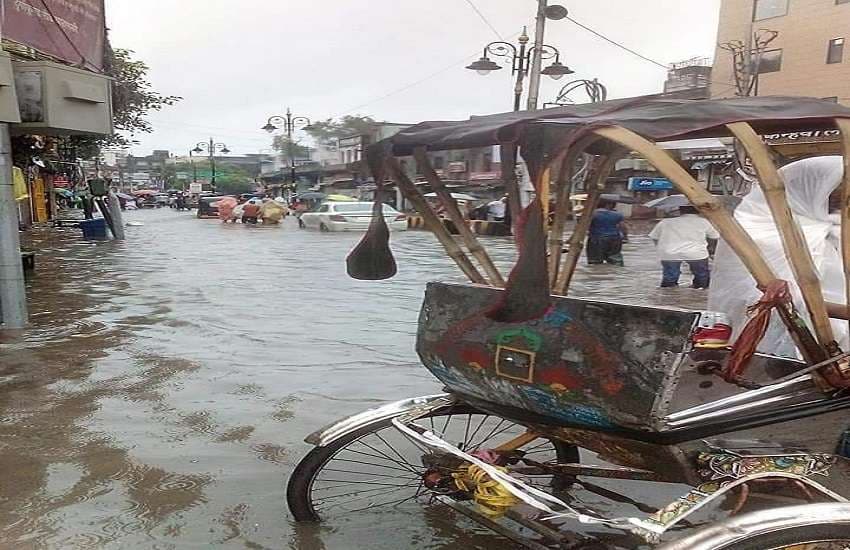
[497, 210]
[685, 239]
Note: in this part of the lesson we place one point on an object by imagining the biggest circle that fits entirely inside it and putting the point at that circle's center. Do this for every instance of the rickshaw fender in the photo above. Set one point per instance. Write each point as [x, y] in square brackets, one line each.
[341, 428]
[776, 520]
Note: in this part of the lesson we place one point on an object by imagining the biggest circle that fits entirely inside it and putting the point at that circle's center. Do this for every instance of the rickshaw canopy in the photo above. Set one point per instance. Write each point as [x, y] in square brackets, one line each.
[656, 119]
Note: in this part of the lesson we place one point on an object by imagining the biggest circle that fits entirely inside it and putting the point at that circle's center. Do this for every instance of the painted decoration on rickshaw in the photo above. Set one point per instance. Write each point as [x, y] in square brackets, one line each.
[720, 469]
[714, 466]
[516, 351]
[582, 363]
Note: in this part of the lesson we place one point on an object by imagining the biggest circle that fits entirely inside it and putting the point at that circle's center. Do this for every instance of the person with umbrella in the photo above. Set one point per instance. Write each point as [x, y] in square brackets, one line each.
[225, 206]
[608, 232]
[688, 238]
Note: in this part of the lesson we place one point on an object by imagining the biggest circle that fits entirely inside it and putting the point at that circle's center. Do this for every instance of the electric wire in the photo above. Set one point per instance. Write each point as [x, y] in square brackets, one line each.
[618, 44]
[484, 18]
[83, 59]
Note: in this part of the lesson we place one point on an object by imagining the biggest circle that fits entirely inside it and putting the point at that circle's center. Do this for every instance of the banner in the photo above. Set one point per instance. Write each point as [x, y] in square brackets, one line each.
[72, 30]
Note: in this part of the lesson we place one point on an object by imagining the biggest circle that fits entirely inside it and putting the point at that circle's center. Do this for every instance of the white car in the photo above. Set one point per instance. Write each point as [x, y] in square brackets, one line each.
[350, 216]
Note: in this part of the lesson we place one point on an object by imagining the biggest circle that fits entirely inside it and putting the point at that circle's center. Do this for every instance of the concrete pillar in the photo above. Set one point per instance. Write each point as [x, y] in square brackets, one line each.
[13, 297]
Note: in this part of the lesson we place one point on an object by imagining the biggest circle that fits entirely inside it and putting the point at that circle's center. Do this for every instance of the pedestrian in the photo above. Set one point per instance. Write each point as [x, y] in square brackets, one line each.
[812, 187]
[497, 209]
[689, 238]
[608, 232]
[251, 211]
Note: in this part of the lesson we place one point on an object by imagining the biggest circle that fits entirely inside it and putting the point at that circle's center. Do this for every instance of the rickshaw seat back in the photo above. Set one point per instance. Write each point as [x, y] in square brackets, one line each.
[585, 363]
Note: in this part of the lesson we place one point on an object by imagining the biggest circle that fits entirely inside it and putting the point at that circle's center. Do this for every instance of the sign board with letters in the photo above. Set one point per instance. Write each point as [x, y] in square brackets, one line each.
[650, 184]
[72, 30]
[196, 188]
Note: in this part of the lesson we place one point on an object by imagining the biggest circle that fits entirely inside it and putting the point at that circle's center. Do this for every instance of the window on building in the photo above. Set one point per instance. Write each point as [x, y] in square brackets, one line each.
[439, 163]
[835, 54]
[765, 9]
[487, 162]
[771, 62]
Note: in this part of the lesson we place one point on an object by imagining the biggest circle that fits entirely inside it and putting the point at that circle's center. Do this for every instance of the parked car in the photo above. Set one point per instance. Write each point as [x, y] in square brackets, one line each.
[350, 216]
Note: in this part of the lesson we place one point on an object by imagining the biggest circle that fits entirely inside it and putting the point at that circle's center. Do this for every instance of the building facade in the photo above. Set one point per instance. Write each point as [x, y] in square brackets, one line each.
[806, 57]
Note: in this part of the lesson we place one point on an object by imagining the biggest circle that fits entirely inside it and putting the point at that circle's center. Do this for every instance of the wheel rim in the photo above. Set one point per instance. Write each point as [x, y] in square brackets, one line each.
[816, 544]
[384, 469]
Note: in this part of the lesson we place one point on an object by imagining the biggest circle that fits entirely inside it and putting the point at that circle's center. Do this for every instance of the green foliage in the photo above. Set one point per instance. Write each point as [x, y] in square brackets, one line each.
[228, 178]
[133, 98]
[329, 130]
[281, 143]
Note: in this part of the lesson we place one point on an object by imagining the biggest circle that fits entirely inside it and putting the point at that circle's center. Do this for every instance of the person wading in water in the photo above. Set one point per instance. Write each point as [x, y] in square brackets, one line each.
[608, 232]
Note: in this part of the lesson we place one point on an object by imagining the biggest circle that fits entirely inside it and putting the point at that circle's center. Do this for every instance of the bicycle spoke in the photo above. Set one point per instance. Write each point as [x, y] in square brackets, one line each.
[488, 436]
[480, 424]
[370, 464]
[404, 462]
[466, 432]
[391, 476]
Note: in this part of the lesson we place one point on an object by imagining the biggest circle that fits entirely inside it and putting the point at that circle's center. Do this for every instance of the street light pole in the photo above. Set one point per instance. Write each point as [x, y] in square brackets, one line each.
[521, 61]
[194, 168]
[289, 124]
[210, 147]
[212, 164]
[537, 58]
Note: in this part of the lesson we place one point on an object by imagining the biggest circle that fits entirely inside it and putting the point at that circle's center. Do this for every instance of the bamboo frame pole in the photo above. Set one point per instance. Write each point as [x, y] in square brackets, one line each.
[793, 240]
[728, 227]
[843, 124]
[454, 250]
[508, 158]
[453, 211]
[563, 205]
[545, 193]
[605, 165]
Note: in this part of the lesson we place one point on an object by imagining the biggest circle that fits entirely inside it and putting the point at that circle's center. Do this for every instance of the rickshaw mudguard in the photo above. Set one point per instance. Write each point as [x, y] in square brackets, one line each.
[348, 425]
[737, 530]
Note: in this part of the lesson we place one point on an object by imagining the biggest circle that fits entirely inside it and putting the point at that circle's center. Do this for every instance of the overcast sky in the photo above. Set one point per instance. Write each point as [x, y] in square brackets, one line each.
[237, 63]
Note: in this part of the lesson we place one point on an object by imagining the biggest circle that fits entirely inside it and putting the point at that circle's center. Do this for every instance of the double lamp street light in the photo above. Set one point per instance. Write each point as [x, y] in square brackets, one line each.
[289, 124]
[210, 147]
[521, 62]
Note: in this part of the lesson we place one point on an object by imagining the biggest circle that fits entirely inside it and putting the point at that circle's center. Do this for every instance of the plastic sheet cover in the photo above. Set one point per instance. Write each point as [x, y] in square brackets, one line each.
[809, 183]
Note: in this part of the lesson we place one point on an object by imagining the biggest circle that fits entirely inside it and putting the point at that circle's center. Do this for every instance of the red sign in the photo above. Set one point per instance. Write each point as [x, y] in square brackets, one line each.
[61, 181]
[72, 30]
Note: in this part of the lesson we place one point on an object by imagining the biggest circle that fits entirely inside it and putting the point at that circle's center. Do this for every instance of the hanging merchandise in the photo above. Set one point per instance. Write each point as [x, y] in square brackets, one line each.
[19, 184]
[38, 200]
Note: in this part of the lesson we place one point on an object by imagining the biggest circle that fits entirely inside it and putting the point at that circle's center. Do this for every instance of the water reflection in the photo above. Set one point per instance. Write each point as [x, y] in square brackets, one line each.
[162, 394]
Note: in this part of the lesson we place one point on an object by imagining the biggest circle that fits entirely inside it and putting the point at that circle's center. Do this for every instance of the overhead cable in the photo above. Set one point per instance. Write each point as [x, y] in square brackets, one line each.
[484, 18]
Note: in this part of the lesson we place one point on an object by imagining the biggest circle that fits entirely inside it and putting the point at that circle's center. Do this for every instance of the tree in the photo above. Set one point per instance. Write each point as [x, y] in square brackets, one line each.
[133, 98]
[281, 143]
[328, 131]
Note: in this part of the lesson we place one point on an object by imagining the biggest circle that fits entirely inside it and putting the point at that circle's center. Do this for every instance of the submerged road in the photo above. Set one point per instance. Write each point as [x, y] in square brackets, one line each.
[161, 397]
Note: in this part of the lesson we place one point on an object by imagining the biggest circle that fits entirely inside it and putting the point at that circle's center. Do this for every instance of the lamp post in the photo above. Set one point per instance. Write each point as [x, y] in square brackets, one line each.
[211, 147]
[289, 124]
[521, 57]
[194, 168]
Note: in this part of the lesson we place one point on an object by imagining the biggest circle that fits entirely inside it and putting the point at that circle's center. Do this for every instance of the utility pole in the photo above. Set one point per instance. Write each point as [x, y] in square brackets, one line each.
[212, 165]
[537, 56]
[13, 297]
[194, 169]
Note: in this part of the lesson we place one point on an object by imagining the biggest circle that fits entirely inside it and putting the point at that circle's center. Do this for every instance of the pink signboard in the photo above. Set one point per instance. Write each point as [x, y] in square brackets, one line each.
[72, 30]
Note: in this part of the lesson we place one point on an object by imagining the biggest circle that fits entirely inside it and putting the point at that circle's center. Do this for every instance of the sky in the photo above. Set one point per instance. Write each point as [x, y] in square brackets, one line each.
[235, 64]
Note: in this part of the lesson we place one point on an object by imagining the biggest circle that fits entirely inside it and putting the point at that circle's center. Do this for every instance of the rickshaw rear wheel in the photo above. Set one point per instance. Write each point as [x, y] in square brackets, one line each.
[389, 477]
[807, 537]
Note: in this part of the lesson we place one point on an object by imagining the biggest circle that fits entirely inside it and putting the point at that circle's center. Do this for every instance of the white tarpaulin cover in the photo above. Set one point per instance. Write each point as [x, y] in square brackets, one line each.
[809, 184]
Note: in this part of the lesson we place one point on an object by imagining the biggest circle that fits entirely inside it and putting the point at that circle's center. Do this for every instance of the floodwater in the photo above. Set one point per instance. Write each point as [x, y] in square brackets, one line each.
[161, 397]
